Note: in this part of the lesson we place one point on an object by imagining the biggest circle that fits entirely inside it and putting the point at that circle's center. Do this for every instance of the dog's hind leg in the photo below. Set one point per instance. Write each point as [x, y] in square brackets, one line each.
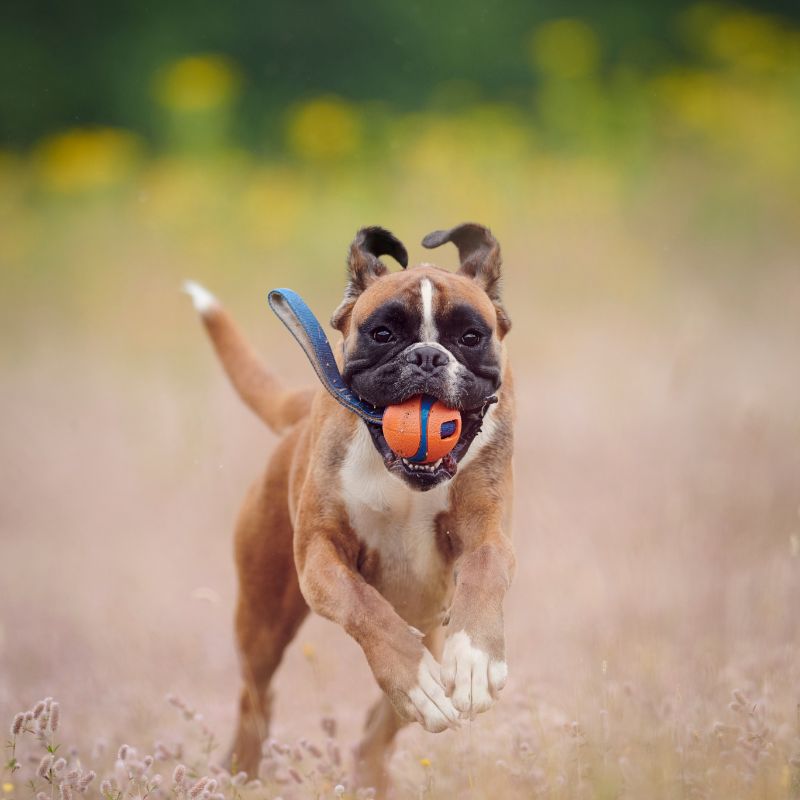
[375, 748]
[270, 606]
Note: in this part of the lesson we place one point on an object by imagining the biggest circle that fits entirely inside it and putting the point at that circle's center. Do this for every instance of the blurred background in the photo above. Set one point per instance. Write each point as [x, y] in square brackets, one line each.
[640, 165]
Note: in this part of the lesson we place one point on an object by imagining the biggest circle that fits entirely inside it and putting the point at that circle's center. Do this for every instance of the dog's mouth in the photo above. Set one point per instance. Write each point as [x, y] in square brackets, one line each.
[420, 476]
[423, 477]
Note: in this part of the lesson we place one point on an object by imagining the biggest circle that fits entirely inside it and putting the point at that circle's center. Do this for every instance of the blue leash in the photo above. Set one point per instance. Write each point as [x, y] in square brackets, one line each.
[293, 312]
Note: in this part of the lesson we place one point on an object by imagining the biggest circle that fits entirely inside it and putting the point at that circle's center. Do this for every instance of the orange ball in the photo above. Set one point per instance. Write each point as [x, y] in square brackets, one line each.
[421, 429]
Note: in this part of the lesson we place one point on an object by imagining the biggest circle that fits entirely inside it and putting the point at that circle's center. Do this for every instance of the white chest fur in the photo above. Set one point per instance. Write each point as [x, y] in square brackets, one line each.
[386, 515]
[399, 526]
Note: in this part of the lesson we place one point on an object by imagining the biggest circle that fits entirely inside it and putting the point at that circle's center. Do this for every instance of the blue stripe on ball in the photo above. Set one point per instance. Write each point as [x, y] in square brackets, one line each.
[424, 413]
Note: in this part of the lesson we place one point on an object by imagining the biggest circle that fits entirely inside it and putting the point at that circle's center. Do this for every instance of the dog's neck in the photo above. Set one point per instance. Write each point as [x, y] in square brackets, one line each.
[366, 481]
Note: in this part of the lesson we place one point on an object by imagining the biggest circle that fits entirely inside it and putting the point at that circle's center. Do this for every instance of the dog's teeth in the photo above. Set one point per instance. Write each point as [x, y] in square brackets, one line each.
[431, 468]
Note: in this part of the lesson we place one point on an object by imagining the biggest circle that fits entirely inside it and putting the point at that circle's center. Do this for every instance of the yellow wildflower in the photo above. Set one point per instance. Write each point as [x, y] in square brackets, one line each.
[198, 83]
[86, 158]
[326, 128]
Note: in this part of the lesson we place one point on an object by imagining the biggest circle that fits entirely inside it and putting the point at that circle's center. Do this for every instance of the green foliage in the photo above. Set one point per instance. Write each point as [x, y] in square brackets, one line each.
[96, 63]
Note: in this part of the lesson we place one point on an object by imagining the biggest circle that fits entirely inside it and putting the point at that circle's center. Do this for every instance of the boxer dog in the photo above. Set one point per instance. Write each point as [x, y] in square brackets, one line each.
[412, 561]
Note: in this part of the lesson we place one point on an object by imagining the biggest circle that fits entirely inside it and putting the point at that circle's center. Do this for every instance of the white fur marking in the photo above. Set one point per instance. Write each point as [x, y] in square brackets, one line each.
[398, 523]
[366, 483]
[412, 347]
[430, 705]
[454, 368]
[428, 332]
[470, 678]
[202, 299]
[498, 674]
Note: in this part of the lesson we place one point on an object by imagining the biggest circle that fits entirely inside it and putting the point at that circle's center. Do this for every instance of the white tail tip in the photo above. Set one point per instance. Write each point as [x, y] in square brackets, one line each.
[202, 299]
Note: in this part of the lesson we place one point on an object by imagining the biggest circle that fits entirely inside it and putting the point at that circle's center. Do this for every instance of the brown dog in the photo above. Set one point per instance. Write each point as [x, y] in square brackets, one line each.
[413, 562]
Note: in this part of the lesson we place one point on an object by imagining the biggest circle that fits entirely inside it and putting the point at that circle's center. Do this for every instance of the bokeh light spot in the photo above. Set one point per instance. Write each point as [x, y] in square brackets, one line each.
[90, 158]
[198, 83]
[565, 48]
[326, 128]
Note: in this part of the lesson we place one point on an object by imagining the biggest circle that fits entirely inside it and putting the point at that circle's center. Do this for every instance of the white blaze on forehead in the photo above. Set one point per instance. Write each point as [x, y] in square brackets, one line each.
[428, 331]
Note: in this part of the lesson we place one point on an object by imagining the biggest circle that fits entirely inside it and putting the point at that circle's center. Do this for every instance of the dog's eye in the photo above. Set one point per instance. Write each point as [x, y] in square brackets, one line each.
[470, 338]
[382, 335]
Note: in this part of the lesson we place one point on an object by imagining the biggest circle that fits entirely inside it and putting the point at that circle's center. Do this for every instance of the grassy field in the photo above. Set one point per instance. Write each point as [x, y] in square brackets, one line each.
[654, 285]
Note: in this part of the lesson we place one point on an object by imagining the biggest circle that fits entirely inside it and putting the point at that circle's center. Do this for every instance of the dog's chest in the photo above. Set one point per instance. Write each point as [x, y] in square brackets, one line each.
[401, 551]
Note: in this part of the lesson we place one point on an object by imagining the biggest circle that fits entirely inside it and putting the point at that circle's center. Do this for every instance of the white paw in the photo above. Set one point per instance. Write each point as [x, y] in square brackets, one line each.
[429, 704]
[470, 678]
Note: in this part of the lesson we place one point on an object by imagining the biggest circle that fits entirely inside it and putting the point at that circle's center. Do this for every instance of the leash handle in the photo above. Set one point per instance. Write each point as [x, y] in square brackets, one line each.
[293, 312]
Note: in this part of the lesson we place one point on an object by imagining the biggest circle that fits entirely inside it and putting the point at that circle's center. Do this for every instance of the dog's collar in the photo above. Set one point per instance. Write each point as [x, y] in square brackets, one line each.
[293, 312]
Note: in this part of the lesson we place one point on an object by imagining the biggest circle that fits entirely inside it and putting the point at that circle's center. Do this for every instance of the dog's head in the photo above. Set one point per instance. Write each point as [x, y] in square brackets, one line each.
[424, 331]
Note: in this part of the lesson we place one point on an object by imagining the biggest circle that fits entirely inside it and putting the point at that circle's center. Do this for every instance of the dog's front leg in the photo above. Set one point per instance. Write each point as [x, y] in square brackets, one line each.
[474, 663]
[404, 669]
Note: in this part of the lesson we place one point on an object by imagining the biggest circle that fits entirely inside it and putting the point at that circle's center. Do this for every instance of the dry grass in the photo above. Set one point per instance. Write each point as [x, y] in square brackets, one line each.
[653, 625]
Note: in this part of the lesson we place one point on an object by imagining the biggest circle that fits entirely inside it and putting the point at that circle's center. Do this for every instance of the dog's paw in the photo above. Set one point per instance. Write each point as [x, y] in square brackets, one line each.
[470, 677]
[427, 702]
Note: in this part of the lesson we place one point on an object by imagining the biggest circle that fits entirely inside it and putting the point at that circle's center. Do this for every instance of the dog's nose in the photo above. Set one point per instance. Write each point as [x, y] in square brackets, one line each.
[427, 358]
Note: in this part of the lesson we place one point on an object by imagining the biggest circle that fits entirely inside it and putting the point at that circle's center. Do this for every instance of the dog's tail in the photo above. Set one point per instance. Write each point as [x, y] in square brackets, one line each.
[257, 386]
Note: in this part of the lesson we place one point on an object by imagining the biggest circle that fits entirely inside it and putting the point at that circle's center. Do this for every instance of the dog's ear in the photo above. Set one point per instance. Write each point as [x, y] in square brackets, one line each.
[479, 253]
[364, 265]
